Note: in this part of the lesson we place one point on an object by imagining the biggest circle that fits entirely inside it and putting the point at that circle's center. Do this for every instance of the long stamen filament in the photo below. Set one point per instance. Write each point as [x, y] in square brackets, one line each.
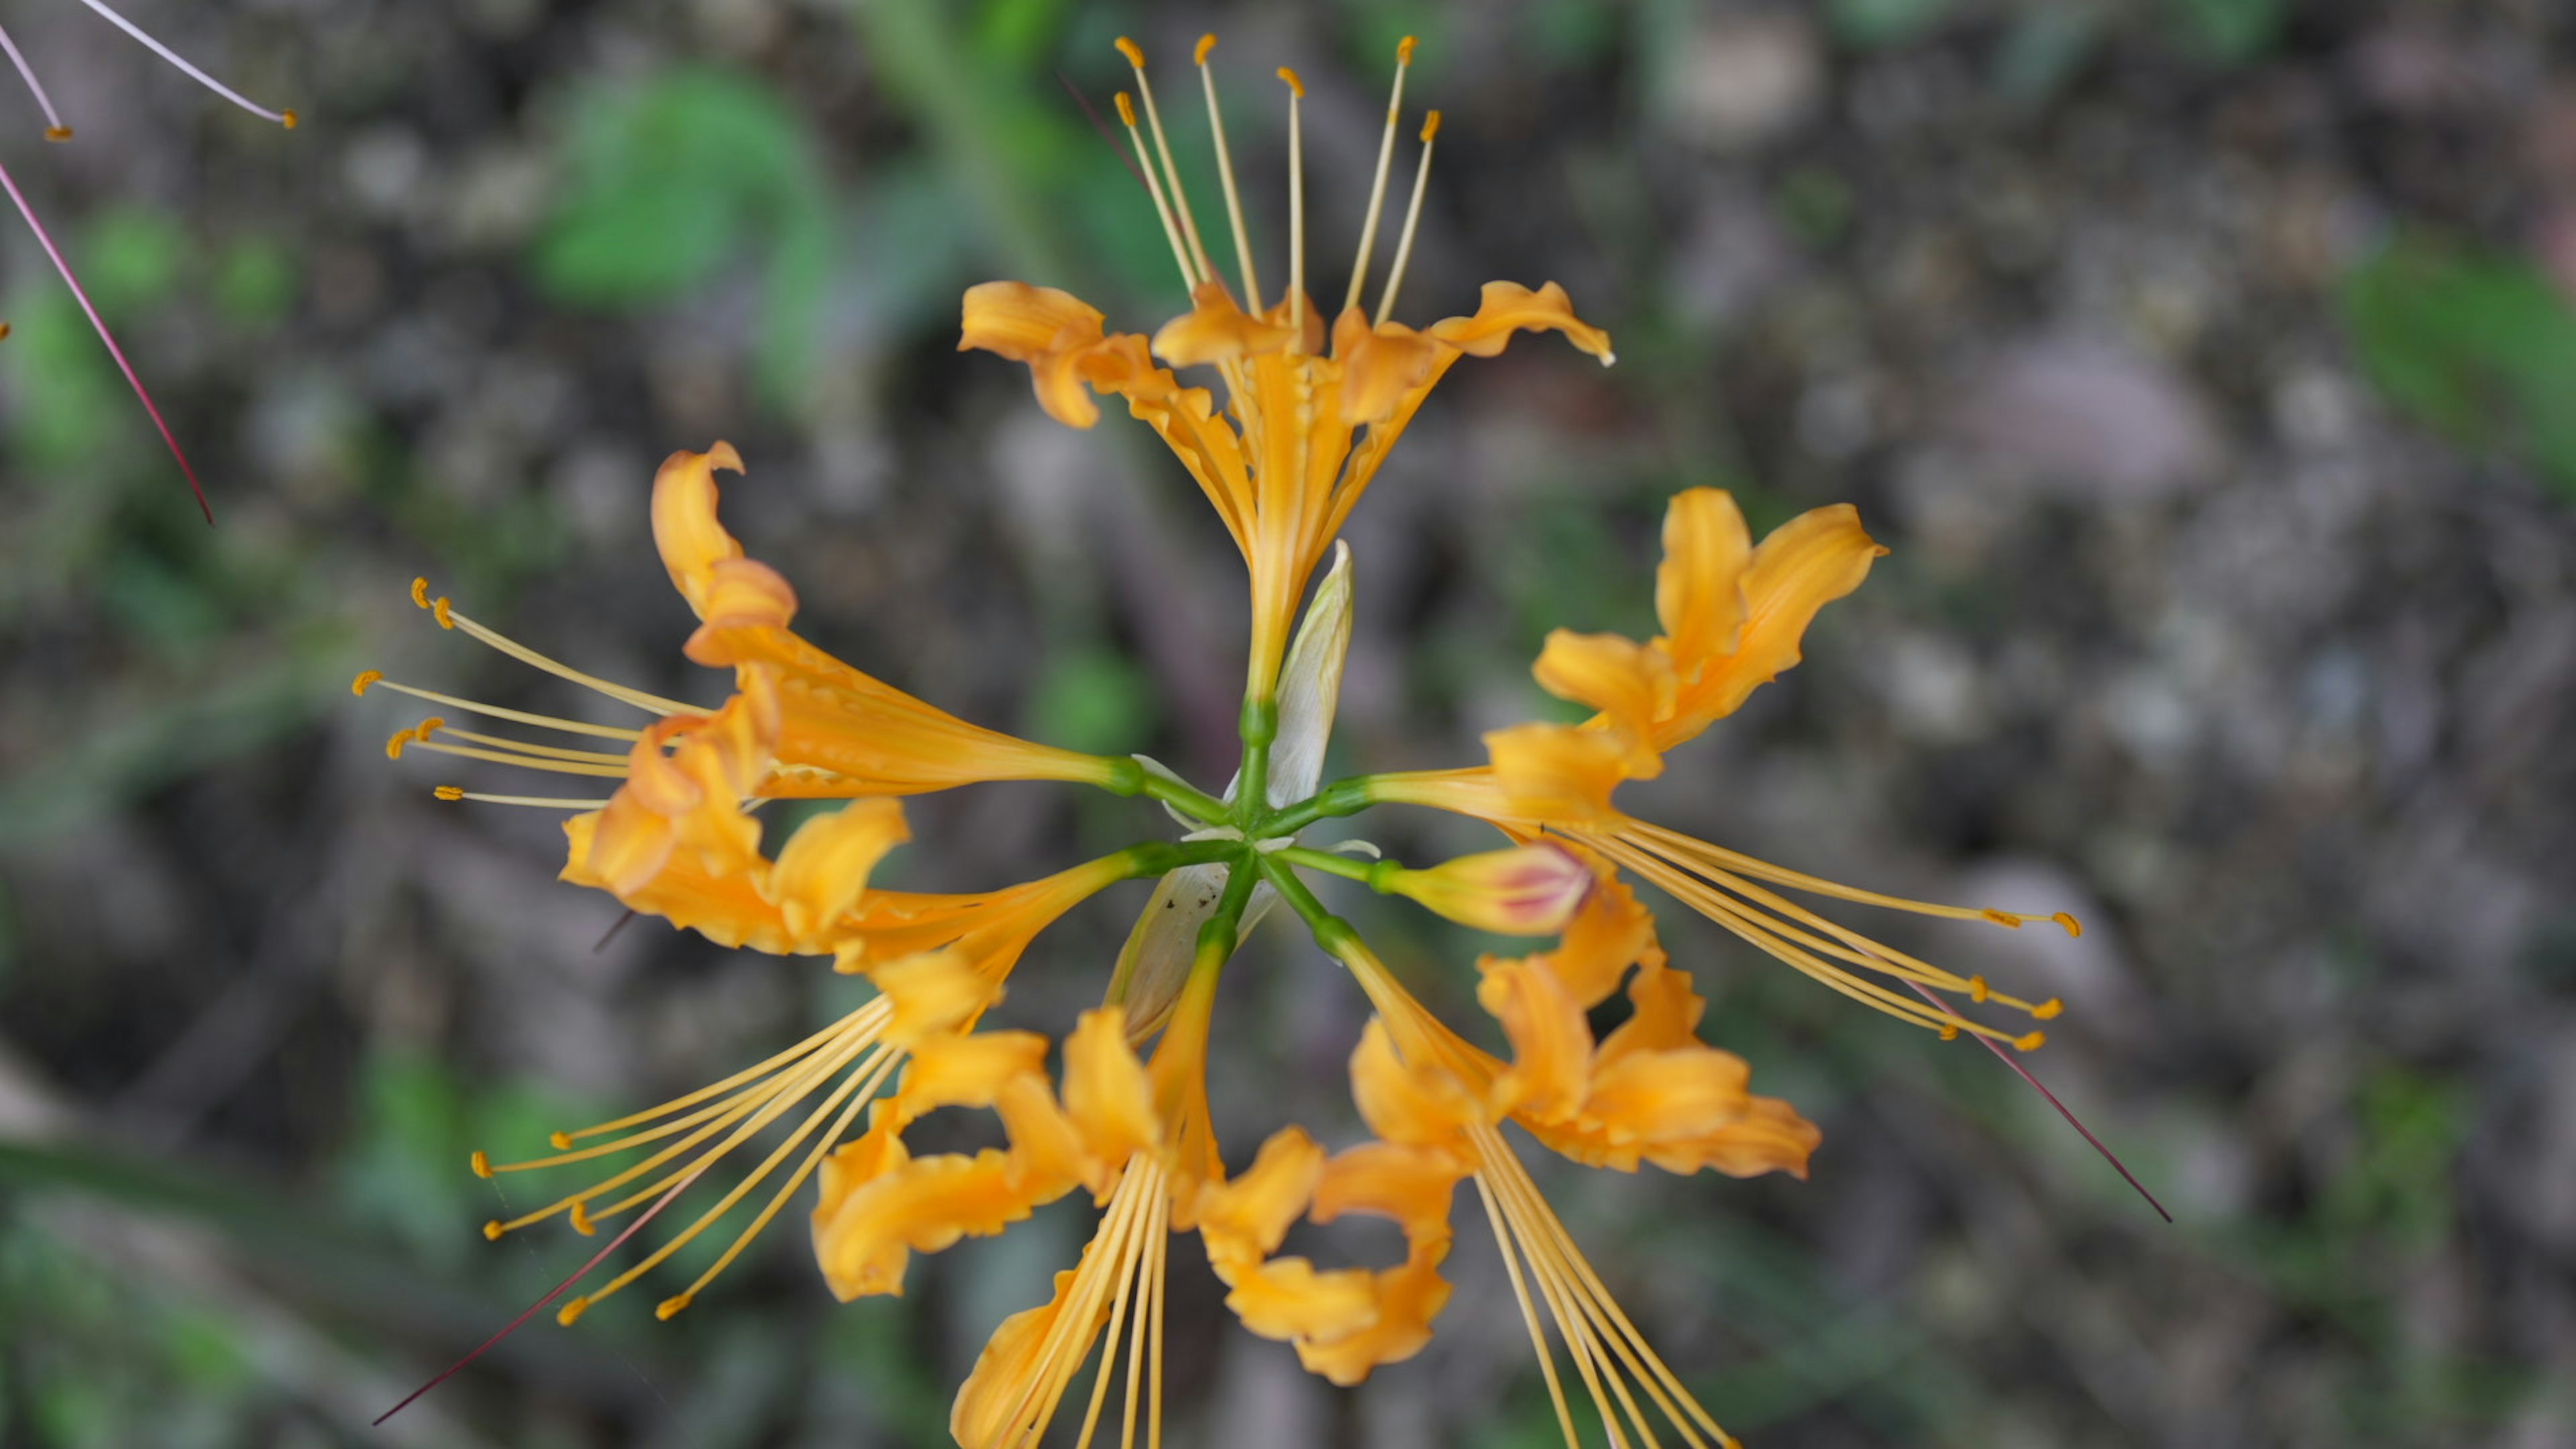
[1199, 269]
[282, 118]
[1377, 188]
[449, 618]
[1296, 213]
[1154, 187]
[55, 130]
[1684, 847]
[540, 802]
[1225, 174]
[1412, 220]
[871, 1075]
[373, 679]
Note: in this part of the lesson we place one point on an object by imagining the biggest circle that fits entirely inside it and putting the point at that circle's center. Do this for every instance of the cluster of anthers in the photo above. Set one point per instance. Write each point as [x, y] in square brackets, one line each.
[56, 130]
[1311, 405]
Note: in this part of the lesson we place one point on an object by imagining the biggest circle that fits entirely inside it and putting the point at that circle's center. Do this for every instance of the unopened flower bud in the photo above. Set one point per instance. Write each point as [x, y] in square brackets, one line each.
[1533, 890]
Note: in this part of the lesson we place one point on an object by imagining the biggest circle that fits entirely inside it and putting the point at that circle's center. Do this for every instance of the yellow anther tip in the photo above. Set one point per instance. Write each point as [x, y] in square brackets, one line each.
[1977, 988]
[428, 727]
[560, 1141]
[394, 746]
[492, 1230]
[482, 1165]
[1207, 43]
[287, 118]
[58, 133]
[1126, 111]
[358, 686]
[2047, 1010]
[571, 1312]
[1404, 51]
[449, 793]
[1296, 87]
[579, 1217]
[2074, 927]
[670, 1306]
[1430, 127]
[1128, 48]
[438, 607]
[420, 592]
[2030, 1041]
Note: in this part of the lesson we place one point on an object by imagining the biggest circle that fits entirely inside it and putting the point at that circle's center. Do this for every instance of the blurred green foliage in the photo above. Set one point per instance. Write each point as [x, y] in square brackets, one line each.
[2475, 346]
[671, 180]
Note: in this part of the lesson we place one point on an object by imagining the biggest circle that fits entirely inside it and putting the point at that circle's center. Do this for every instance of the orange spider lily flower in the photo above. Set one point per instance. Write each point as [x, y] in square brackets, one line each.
[1122, 1116]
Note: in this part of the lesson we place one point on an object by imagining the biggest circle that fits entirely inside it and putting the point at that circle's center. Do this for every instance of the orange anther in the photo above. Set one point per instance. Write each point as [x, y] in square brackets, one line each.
[571, 1312]
[2030, 1042]
[1404, 51]
[1296, 87]
[579, 1217]
[58, 133]
[1127, 48]
[287, 119]
[358, 686]
[559, 1141]
[4, 331]
[2047, 1010]
[1949, 1032]
[394, 746]
[1126, 111]
[2002, 918]
[1430, 127]
[482, 1165]
[669, 1306]
[448, 792]
[1207, 43]
[1977, 988]
[2067, 919]
[493, 1230]
[438, 607]
[420, 592]
[428, 727]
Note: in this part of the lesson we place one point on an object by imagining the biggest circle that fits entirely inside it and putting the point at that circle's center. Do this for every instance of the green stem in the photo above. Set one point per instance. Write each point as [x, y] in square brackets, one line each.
[1194, 803]
[1259, 728]
[1377, 875]
[1342, 797]
[1330, 931]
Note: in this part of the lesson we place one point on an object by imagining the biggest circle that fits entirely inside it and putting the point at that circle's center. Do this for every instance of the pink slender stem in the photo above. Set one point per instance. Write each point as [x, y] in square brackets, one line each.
[512, 1326]
[105, 336]
[2024, 1073]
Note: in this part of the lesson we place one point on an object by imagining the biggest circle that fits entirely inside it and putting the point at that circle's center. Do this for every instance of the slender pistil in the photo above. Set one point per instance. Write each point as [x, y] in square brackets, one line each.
[1412, 219]
[1377, 187]
[1296, 213]
[1225, 174]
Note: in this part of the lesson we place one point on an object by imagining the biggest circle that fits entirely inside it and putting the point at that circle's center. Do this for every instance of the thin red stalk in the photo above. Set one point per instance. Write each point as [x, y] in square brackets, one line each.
[512, 1326]
[1102, 127]
[2024, 1073]
[113, 350]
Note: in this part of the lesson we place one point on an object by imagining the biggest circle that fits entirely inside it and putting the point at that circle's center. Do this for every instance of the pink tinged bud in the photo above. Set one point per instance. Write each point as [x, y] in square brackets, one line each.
[1533, 890]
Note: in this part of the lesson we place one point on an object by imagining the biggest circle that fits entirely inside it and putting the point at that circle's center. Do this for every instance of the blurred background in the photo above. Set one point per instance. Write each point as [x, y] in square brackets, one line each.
[2207, 364]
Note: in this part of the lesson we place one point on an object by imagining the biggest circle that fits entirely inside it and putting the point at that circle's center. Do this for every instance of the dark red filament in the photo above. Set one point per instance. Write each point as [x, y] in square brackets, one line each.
[2024, 1073]
[113, 350]
[512, 1326]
